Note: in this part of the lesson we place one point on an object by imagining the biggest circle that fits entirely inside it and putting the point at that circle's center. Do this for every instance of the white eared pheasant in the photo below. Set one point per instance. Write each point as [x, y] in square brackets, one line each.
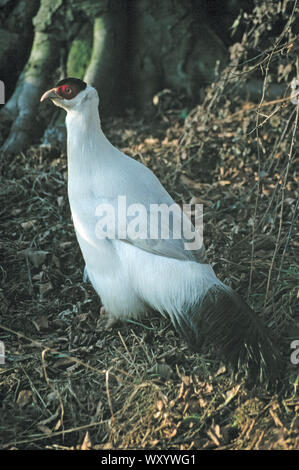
[135, 274]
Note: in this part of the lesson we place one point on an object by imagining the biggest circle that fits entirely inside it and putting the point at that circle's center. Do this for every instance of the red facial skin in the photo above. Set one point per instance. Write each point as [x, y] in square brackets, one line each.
[67, 92]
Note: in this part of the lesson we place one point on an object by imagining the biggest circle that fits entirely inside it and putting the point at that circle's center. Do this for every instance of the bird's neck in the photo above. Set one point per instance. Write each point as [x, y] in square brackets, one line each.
[86, 143]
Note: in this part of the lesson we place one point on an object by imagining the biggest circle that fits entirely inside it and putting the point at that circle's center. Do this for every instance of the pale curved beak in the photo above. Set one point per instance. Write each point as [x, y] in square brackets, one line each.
[50, 94]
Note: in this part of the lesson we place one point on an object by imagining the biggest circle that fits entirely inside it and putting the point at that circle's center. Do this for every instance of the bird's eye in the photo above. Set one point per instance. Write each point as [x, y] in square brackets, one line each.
[67, 92]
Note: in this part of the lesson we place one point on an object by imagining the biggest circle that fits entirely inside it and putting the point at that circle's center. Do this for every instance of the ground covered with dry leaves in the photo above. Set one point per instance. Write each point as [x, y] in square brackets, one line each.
[67, 383]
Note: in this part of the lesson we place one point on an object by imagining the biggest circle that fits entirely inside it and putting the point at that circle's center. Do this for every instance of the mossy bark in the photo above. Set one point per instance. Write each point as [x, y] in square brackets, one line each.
[21, 108]
[23, 104]
[107, 68]
[80, 52]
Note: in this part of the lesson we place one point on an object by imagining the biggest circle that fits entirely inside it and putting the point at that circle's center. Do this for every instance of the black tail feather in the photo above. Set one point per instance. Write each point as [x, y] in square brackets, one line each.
[223, 320]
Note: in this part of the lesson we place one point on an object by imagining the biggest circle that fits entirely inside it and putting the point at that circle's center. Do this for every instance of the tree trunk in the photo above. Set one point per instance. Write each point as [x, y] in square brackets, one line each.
[108, 56]
[171, 46]
[22, 106]
[138, 47]
[16, 36]
[27, 95]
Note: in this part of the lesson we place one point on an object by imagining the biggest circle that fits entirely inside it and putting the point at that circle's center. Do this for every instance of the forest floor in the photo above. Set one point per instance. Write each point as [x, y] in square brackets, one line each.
[67, 383]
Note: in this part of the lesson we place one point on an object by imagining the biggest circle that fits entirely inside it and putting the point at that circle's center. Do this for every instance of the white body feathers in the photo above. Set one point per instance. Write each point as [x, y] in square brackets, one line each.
[128, 279]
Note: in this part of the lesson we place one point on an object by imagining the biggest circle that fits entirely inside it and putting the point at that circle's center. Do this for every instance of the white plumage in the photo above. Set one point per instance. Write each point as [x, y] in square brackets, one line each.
[133, 276]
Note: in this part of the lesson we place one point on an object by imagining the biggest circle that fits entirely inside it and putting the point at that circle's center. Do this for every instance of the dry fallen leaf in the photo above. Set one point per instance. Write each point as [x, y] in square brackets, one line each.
[41, 323]
[36, 257]
[86, 444]
[45, 288]
[215, 434]
[65, 244]
[193, 184]
[28, 225]
[60, 201]
[162, 370]
[24, 398]
[58, 425]
[44, 429]
[151, 141]
[108, 446]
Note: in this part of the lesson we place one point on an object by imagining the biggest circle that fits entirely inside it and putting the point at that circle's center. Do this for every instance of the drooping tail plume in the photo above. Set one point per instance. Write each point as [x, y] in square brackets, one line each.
[223, 320]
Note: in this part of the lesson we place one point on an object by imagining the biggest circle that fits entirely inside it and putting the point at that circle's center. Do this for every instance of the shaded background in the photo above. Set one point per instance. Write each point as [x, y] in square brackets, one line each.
[128, 49]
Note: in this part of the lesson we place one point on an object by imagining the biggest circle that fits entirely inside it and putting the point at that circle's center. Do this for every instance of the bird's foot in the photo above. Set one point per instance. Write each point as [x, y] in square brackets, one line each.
[103, 311]
[110, 321]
